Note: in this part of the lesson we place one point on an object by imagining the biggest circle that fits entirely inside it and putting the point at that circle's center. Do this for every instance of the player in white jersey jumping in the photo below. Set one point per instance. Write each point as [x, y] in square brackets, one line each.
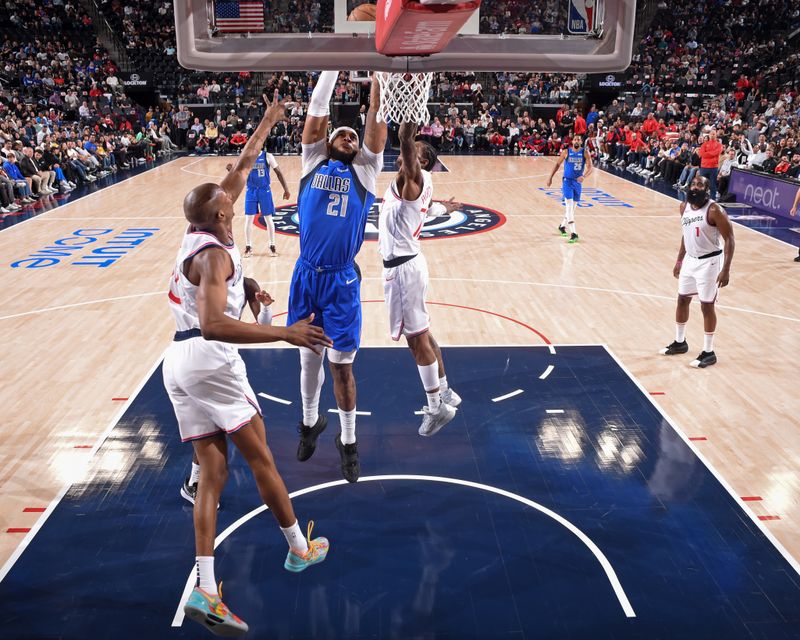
[405, 272]
[702, 267]
[206, 379]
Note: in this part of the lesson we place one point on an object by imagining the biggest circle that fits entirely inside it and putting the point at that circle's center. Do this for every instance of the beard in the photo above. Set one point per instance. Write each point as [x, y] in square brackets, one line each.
[342, 156]
[696, 197]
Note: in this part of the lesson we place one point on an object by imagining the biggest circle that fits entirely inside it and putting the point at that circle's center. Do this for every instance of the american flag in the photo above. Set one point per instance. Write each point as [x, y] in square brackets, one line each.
[233, 17]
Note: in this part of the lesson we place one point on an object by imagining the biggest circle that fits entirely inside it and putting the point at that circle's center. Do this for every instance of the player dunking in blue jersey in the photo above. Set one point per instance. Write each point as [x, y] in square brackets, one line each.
[258, 199]
[578, 165]
[337, 190]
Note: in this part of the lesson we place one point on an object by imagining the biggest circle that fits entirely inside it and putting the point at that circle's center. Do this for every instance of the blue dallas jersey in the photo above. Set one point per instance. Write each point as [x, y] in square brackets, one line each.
[259, 176]
[332, 208]
[574, 164]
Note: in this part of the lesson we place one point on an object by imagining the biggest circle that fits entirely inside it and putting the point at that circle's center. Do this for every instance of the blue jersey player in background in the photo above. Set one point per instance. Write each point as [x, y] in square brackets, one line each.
[258, 199]
[577, 166]
[337, 190]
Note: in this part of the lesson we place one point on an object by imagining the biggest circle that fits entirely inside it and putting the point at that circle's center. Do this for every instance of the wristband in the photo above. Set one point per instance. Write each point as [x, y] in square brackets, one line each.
[265, 316]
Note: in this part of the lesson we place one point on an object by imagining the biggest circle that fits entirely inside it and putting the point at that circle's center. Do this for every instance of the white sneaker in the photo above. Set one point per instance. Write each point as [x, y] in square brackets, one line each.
[451, 397]
[433, 422]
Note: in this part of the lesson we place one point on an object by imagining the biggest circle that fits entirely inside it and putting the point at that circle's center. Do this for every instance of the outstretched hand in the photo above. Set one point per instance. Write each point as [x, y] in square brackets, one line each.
[304, 334]
[276, 109]
[451, 205]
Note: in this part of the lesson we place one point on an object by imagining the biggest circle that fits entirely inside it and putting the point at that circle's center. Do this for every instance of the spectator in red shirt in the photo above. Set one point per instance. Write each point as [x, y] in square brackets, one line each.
[238, 140]
[650, 125]
[709, 153]
[580, 124]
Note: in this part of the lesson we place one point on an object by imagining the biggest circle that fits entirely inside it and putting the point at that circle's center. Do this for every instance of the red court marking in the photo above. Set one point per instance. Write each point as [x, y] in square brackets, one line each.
[769, 517]
[458, 306]
[34, 510]
[118, 399]
[83, 446]
[18, 530]
[752, 498]
[698, 439]
[657, 393]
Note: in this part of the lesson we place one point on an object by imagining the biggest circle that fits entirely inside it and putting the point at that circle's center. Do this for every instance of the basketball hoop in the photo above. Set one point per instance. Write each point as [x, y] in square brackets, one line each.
[404, 97]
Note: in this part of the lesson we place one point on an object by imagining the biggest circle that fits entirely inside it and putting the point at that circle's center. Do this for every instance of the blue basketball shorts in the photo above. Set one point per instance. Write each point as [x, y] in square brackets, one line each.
[258, 201]
[334, 297]
[571, 189]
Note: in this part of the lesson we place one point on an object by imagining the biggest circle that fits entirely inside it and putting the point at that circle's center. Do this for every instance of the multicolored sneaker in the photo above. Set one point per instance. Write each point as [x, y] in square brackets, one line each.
[562, 230]
[317, 552]
[573, 239]
[212, 613]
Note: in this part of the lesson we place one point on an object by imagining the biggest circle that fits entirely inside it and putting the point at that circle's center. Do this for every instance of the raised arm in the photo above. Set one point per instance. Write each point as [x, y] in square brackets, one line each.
[409, 178]
[234, 182]
[375, 132]
[718, 217]
[212, 267]
[319, 108]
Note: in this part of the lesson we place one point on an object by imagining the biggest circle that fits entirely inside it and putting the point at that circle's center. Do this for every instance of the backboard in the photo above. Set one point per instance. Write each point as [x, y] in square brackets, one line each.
[589, 36]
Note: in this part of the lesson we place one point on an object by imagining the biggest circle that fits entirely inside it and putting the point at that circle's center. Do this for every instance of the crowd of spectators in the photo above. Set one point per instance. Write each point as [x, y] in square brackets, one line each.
[64, 117]
[708, 44]
[523, 17]
[749, 129]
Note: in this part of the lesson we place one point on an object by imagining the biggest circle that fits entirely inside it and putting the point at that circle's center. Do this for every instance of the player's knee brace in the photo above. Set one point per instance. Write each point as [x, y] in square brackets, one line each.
[342, 357]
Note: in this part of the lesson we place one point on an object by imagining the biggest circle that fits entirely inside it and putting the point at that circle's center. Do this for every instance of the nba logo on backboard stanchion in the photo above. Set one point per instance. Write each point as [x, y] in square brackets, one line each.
[581, 16]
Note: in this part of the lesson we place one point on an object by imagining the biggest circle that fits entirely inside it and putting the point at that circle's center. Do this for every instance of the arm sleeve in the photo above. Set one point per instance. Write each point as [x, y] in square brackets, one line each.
[319, 106]
[265, 316]
[271, 161]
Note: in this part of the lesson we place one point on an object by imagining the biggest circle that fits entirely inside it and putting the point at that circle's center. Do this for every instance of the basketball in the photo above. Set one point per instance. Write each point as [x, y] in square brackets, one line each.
[362, 13]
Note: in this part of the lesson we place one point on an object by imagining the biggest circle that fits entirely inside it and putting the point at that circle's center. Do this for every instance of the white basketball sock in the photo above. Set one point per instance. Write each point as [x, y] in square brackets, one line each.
[347, 419]
[443, 384]
[248, 230]
[195, 476]
[205, 575]
[312, 375]
[708, 342]
[680, 331]
[294, 536]
[429, 374]
[271, 229]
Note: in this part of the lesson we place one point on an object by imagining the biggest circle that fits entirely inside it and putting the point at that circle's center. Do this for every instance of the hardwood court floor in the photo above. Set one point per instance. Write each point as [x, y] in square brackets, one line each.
[78, 336]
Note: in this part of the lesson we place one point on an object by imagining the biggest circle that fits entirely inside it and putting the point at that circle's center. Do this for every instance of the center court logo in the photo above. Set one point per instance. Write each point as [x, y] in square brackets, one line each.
[468, 220]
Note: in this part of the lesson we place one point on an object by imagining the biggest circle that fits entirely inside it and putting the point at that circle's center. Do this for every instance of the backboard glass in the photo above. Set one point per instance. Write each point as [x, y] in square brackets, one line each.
[498, 38]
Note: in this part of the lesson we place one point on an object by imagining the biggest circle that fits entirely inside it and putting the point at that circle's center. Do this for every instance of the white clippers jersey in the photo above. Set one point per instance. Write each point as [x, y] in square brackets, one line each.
[183, 294]
[699, 237]
[400, 221]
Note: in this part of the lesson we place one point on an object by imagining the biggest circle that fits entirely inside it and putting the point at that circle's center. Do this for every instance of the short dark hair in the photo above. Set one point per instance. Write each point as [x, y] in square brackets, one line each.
[430, 155]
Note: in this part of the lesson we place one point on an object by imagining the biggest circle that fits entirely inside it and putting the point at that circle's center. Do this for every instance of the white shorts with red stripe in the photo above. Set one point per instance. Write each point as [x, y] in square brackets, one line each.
[699, 277]
[405, 288]
[207, 384]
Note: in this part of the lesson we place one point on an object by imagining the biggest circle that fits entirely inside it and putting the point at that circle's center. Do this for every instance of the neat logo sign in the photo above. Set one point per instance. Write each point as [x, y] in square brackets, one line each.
[466, 221]
[589, 197]
[86, 248]
[763, 197]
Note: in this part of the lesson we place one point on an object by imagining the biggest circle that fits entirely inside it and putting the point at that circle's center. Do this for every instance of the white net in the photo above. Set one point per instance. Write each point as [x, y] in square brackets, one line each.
[404, 97]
